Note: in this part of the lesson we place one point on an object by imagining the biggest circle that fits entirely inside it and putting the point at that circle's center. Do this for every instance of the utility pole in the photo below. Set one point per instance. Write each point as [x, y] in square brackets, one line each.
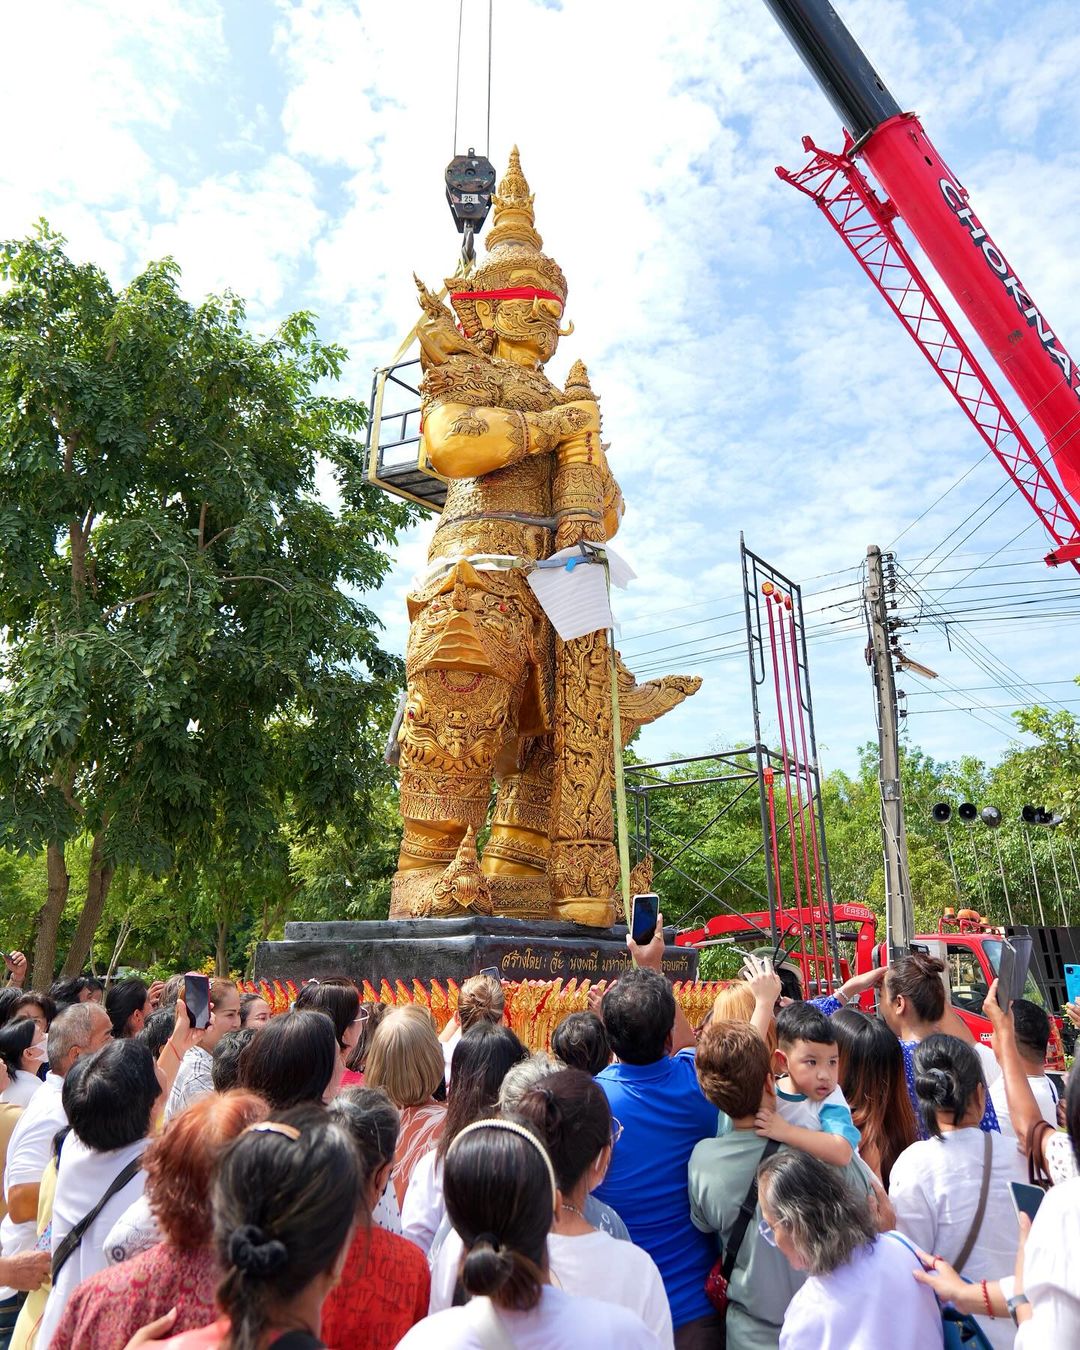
[899, 910]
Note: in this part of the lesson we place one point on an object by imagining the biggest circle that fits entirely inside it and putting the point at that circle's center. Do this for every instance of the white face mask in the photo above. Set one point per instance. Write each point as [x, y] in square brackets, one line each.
[36, 1052]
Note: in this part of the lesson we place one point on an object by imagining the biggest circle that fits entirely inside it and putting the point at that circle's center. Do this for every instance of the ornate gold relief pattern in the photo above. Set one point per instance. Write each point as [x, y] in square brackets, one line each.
[492, 696]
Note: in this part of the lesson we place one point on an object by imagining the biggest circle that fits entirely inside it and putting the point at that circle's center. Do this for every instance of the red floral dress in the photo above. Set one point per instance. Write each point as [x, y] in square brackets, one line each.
[106, 1310]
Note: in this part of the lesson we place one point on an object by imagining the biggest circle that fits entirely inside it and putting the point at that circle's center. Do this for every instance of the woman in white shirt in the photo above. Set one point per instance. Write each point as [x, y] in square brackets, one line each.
[858, 1279]
[22, 1050]
[109, 1098]
[483, 1057]
[937, 1183]
[1044, 1298]
[501, 1195]
[573, 1119]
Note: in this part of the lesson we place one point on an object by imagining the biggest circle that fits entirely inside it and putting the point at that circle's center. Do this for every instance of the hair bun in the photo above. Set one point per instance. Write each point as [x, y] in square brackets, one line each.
[251, 1251]
[929, 965]
[487, 1265]
[936, 1087]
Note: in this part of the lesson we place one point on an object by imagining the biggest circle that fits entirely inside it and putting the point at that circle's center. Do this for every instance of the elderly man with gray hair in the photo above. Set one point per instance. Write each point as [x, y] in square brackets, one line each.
[79, 1030]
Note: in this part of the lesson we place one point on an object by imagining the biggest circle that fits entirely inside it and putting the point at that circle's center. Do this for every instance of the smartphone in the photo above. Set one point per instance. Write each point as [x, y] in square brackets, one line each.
[197, 999]
[1026, 1199]
[1072, 983]
[643, 912]
[493, 971]
[1013, 970]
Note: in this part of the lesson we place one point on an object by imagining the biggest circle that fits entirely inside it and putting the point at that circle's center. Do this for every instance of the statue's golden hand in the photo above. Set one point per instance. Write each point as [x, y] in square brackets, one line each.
[567, 423]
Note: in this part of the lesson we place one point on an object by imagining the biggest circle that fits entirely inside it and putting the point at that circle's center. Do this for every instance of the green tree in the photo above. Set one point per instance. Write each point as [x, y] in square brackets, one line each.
[182, 646]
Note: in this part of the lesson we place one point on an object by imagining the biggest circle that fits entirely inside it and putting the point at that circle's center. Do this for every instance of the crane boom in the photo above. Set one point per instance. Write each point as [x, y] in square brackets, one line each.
[922, 191]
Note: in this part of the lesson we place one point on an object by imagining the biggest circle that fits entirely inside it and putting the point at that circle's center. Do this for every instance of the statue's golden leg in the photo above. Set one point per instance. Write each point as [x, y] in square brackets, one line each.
[515, 859]
[449, 747]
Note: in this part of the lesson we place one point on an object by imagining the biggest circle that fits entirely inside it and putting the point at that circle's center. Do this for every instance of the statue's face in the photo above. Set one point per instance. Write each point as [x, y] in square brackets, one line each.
[529, 327]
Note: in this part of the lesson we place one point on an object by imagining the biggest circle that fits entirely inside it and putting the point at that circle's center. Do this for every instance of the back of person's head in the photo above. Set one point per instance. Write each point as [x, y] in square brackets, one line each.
[9, 996]
[157, 1029]
[124, 999]
[174, 987]
[790, 983]
[873, 1082]
[373, 1124]
[826, 1220]
[803, 1022]
[639, 1014]
[481, 999]
[180, 1163]
[292, 1059]
[225, 1060]
[405, 1057]
[482, 1059]
[948, 1076]
[499, 1187]
[735, 1002]
[581, 1042]
[67, 991]
[15, 1039]
[109, 1096]
[570, 1113]
[733, 1067]
[917, 979]
[284, 1201]
[338, 997]
[72, 1026]
[1032, 1028]
[522, 1077]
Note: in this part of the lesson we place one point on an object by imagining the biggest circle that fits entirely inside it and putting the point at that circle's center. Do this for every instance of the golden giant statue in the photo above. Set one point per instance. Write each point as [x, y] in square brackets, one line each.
[495, 701]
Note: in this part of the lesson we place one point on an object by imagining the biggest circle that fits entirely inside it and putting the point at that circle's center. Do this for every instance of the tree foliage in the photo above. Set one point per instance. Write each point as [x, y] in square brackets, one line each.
[187, 678]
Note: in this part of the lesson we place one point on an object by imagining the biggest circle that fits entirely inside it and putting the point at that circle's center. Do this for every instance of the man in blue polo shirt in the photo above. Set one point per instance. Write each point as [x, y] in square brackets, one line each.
[654, 1095]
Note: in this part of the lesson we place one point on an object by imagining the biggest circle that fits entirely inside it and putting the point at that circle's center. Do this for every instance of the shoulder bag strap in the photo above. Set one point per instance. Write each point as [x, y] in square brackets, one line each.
[984, 1191]
[75, 1236]
[746, 1213]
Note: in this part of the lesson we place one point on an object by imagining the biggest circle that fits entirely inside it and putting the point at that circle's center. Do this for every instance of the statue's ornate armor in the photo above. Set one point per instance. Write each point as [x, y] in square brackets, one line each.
[482, 662]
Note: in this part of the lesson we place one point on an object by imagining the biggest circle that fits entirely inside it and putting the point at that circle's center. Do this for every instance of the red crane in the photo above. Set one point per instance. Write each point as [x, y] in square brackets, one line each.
[921, 190]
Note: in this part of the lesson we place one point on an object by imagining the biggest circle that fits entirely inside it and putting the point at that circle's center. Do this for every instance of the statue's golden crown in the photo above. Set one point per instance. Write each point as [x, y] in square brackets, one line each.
[513, 246]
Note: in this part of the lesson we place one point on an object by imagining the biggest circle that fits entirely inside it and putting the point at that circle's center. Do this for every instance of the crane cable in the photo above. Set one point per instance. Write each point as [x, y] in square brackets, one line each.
[457, 78]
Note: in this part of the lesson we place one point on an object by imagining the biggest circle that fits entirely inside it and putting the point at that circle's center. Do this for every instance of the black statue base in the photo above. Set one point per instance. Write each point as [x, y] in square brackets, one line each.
[454, 949]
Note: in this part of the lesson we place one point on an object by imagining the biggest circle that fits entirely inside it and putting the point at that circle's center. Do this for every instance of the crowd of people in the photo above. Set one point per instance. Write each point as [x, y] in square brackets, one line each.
[793, 1173]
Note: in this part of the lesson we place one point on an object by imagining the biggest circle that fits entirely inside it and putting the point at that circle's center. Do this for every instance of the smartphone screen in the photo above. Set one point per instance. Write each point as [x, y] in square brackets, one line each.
[1026, 1199]
[197, 999]
[643, 917]
[493, 971]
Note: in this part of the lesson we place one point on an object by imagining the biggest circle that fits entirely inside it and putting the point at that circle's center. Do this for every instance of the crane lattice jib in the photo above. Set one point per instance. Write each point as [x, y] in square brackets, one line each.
[866, 225]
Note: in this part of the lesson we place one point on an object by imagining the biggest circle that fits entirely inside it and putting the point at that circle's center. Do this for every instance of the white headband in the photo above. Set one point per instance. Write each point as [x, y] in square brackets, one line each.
[522, 1133]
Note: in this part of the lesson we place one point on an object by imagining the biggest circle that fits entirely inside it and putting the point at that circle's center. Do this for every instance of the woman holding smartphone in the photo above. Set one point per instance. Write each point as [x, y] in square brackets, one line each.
[1042, 1296]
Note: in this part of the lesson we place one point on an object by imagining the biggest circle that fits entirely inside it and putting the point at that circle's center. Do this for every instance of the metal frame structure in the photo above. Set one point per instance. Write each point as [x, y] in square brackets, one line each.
[773, 604]
[840, 190]
[723, 766]
[410, 476]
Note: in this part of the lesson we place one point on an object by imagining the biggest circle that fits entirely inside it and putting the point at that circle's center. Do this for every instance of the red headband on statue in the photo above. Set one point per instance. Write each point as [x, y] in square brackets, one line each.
[510, 293]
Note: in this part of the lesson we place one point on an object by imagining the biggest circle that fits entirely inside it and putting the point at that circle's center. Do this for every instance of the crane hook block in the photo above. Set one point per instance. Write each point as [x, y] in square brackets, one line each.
[470, 183]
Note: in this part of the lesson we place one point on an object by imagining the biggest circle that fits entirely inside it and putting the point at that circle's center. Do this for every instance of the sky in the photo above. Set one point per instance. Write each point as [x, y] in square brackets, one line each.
[750, 377]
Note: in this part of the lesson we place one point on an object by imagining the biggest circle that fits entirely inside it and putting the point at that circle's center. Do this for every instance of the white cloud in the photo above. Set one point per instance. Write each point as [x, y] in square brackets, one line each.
[749, 376]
